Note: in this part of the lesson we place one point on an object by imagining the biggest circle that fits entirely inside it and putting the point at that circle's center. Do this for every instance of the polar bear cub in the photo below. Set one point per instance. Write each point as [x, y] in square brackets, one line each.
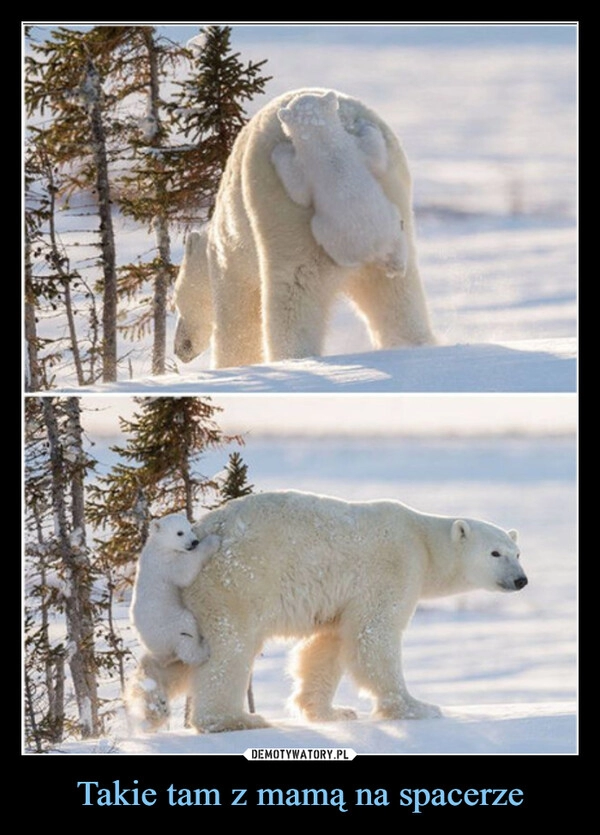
[336, 172]
[170, 560]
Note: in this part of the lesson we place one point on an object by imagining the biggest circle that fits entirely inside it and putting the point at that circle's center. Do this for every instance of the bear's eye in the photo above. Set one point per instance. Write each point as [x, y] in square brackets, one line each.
[496, 554]
[179, 533]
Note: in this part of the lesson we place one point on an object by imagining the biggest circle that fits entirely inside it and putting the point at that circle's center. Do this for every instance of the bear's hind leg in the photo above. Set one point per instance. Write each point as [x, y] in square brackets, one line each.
[393, 306]
[219, 689]
[297, 301]
[317, 669]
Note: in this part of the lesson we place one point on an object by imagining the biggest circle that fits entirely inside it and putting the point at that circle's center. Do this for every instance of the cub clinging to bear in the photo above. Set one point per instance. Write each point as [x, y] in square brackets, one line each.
[171, 558]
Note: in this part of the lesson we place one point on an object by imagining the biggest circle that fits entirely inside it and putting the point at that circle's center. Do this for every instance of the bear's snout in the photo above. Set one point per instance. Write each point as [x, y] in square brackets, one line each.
[516, 584]
[195, 542]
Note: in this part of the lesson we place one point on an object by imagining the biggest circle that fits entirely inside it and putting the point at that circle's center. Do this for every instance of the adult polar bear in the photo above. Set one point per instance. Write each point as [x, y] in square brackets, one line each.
[343, 576]
[256, 280]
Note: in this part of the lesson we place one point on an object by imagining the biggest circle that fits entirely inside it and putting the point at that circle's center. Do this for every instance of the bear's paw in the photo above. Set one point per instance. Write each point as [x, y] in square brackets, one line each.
[221, 724]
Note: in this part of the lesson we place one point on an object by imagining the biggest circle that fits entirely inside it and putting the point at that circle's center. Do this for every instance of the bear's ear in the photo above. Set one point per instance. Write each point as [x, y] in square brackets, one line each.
[513, 535]
[331, 100]
[460, 530]
[284, 115]
[154, 526]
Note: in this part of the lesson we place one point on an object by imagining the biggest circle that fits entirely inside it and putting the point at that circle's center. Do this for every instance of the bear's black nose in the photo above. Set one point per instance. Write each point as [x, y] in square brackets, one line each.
[520, 582]
[195, 542]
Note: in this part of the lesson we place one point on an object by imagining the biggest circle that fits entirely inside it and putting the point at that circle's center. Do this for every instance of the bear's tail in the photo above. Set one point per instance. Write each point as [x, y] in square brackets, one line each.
[193, 298]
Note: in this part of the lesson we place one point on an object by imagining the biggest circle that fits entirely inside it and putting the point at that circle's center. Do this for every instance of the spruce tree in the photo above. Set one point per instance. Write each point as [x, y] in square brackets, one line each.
[157, 472]
[144, 188]
[235, 483]
[209, 110]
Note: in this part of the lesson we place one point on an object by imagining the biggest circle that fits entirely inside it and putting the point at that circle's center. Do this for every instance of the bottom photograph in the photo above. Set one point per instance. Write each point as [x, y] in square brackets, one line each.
[345, 574]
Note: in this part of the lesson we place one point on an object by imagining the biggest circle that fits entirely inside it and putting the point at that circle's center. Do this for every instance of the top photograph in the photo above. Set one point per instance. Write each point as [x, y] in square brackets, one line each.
[300, 208]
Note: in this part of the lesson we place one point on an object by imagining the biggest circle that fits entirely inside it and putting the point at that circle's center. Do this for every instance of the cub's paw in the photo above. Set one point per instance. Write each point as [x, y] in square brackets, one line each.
[193, 653]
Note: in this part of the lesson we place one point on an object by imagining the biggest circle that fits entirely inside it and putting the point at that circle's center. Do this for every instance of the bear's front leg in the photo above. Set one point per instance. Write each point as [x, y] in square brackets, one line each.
[237, 334]
[376, 666]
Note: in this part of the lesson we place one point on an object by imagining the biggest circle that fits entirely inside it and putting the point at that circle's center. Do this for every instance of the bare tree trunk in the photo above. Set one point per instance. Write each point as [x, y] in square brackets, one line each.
[56, 697]
[161, 226]
[54, 674]
[159, 302]
[34, 732]
[33, 381]
[58, 262]
[66, 458]
[113, 637]
[92, 93]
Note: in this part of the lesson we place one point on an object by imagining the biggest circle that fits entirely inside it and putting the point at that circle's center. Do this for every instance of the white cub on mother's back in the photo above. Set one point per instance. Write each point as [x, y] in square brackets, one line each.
[337, 173]
[170, 560]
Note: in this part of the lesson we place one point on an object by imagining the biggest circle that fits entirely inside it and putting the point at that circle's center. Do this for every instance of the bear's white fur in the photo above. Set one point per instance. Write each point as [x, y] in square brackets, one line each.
[336, 172]
[171, 558]
[193, 298]
[257, 278]
[343, 576]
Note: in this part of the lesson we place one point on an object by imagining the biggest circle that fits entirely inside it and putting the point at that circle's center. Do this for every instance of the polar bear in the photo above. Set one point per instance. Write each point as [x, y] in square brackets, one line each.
[171, 558]
[345, 578]
[289, 233]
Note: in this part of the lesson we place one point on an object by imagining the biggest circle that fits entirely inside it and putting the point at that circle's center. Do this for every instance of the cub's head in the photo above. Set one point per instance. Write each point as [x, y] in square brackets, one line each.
[308, 110]
[173, 532]
[489, 555]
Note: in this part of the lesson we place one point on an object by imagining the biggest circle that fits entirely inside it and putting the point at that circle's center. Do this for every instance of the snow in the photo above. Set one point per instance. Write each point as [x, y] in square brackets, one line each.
[476, 729]
[543, 365]
[198, 42]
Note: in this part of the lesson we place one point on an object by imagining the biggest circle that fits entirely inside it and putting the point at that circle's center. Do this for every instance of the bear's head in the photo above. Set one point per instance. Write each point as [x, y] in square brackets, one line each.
[308, 110]
[488, 555]
[173, 533]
